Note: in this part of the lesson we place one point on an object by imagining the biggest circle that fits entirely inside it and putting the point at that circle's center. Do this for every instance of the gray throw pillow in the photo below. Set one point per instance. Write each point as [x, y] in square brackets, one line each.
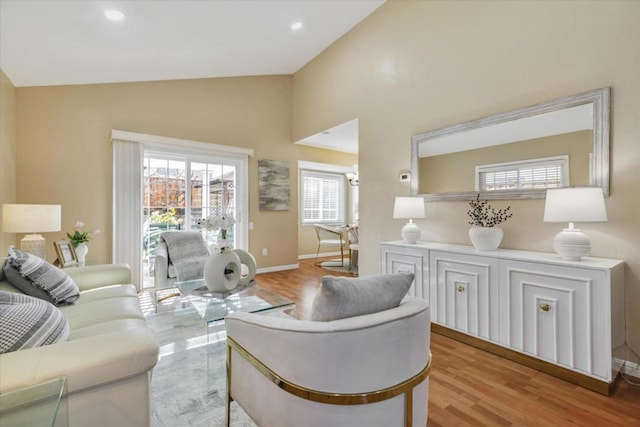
[29, 322]
[342, 297]
[24, 285]
[56, 283]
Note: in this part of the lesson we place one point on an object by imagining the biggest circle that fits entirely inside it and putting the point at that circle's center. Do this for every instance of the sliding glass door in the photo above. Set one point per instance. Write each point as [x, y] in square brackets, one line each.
[179, 191]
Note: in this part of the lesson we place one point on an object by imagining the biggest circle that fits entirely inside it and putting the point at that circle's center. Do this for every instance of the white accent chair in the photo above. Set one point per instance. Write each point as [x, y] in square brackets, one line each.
[271, 361]
[330, 237]
[164, 272]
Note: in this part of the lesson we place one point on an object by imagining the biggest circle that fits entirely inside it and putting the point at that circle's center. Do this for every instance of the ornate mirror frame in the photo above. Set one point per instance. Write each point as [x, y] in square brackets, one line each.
[599, 98]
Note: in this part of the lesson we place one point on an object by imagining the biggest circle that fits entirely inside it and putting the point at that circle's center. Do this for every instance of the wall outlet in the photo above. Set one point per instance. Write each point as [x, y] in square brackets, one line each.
[265, 252]
[251, 226]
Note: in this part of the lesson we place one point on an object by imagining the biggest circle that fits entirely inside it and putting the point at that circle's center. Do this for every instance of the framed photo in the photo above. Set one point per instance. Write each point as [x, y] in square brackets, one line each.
[66, 255]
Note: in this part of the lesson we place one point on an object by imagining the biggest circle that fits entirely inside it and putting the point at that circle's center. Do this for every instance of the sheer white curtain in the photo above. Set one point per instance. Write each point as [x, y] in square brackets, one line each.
[127, 206]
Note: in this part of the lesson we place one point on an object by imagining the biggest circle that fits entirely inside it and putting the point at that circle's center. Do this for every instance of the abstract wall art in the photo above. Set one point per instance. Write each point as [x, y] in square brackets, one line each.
[273, 187]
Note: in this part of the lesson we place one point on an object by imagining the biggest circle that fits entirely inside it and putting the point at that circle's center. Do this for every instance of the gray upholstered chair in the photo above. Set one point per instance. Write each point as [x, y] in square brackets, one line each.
[330, 237]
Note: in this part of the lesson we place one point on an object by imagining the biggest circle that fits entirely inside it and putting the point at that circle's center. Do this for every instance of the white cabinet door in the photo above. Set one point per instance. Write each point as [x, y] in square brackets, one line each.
[567, 313]
[406, 260]
[464, 293]
[557, 313]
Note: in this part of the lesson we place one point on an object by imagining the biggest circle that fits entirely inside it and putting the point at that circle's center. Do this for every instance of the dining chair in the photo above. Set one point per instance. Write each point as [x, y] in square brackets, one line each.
[330, 237]
[353, 247]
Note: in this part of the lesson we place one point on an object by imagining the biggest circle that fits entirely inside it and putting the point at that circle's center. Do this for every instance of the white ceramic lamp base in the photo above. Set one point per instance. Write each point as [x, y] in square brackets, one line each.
[34, 244]
[411, 232]
[572, 244]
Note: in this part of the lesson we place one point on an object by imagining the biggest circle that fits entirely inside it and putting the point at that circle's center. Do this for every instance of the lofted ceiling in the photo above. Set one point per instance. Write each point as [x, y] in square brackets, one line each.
[55, 42]
[70, 42]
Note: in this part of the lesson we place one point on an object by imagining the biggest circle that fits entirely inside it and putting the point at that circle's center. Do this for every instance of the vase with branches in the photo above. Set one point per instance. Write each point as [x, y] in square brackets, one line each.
[484, 234]
[482, 214]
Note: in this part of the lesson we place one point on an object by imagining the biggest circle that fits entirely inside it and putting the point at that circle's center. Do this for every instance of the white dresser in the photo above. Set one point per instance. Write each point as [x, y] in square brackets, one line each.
[563, 317]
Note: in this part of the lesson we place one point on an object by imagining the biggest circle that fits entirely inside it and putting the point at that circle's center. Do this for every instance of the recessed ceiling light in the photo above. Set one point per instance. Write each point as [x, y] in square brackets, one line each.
[296, 25]
[114, 15]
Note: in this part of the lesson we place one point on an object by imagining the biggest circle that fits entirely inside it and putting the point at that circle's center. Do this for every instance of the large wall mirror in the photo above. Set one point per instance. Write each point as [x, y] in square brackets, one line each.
[517, 154]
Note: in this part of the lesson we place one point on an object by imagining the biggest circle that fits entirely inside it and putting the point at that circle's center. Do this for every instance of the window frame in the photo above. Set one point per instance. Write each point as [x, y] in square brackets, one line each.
[562, 160]
[340, 179]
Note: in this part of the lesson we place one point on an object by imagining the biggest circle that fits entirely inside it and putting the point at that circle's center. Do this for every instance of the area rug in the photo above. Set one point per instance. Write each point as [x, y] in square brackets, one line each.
[179, 383]
[335, 265]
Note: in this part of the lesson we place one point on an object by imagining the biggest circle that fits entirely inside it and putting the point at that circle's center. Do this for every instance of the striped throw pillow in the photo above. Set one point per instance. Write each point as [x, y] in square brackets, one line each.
[29, 322]
[55, 282]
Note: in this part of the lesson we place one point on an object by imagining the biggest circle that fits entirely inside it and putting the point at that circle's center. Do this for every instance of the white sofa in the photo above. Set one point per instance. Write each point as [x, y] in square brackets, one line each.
[108, 358]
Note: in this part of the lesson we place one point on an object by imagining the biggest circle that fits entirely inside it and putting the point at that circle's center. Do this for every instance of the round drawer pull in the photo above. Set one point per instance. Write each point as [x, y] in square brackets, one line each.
[545, 307]
[460, 288]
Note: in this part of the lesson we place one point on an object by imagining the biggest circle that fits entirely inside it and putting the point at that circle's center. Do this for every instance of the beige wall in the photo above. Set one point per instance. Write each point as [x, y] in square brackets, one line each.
[64, 151]
[455, 172]
[8, 143]
[414, 66]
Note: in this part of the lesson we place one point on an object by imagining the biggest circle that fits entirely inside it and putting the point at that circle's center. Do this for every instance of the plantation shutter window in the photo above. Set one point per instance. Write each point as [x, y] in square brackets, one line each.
[551, 172]
[322, 197]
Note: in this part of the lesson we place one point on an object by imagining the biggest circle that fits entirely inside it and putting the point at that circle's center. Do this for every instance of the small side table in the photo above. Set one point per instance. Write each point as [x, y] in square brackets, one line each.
[43, 404]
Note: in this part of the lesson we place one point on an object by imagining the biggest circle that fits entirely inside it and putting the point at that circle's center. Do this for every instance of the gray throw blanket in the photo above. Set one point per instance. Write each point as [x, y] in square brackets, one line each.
[187, 252]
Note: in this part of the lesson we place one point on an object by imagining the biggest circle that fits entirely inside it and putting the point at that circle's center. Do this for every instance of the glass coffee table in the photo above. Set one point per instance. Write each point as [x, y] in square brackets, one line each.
[213, 308]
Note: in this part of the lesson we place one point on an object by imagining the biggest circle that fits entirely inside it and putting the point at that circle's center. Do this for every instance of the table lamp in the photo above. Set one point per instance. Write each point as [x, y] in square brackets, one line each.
[579, 204]
[31, 219]
[409, 208]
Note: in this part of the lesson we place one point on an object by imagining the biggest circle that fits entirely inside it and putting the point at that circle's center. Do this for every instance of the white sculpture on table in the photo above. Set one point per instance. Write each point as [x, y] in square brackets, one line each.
[223, 270]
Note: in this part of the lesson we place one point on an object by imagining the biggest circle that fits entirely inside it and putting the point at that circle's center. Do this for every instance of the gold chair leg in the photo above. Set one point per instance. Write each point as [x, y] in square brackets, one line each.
[227, 417]
[408, 408]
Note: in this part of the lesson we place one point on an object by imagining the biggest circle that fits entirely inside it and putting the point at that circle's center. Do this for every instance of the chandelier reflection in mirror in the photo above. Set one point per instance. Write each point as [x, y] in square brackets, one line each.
[353, 177]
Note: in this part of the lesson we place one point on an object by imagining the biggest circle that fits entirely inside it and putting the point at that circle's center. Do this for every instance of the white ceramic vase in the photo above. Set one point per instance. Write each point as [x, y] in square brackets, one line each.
[486, 238]
[81, 252]
[222, 271]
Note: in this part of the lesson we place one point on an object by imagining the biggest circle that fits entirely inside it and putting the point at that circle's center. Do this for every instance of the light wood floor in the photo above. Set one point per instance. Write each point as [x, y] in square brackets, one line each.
[471, 387]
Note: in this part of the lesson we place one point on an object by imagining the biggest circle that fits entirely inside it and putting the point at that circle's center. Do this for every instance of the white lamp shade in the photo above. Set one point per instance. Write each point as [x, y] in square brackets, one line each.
[408, 208]
[18, 218]
[581, 204]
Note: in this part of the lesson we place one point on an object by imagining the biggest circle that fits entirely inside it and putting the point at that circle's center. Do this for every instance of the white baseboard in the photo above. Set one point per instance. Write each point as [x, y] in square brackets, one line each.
[632, 369]
[320, 255]
[277, 268]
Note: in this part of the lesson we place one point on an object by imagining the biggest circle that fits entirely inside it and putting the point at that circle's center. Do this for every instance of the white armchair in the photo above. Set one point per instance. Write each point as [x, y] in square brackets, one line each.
[369, 370]
[191, 251]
